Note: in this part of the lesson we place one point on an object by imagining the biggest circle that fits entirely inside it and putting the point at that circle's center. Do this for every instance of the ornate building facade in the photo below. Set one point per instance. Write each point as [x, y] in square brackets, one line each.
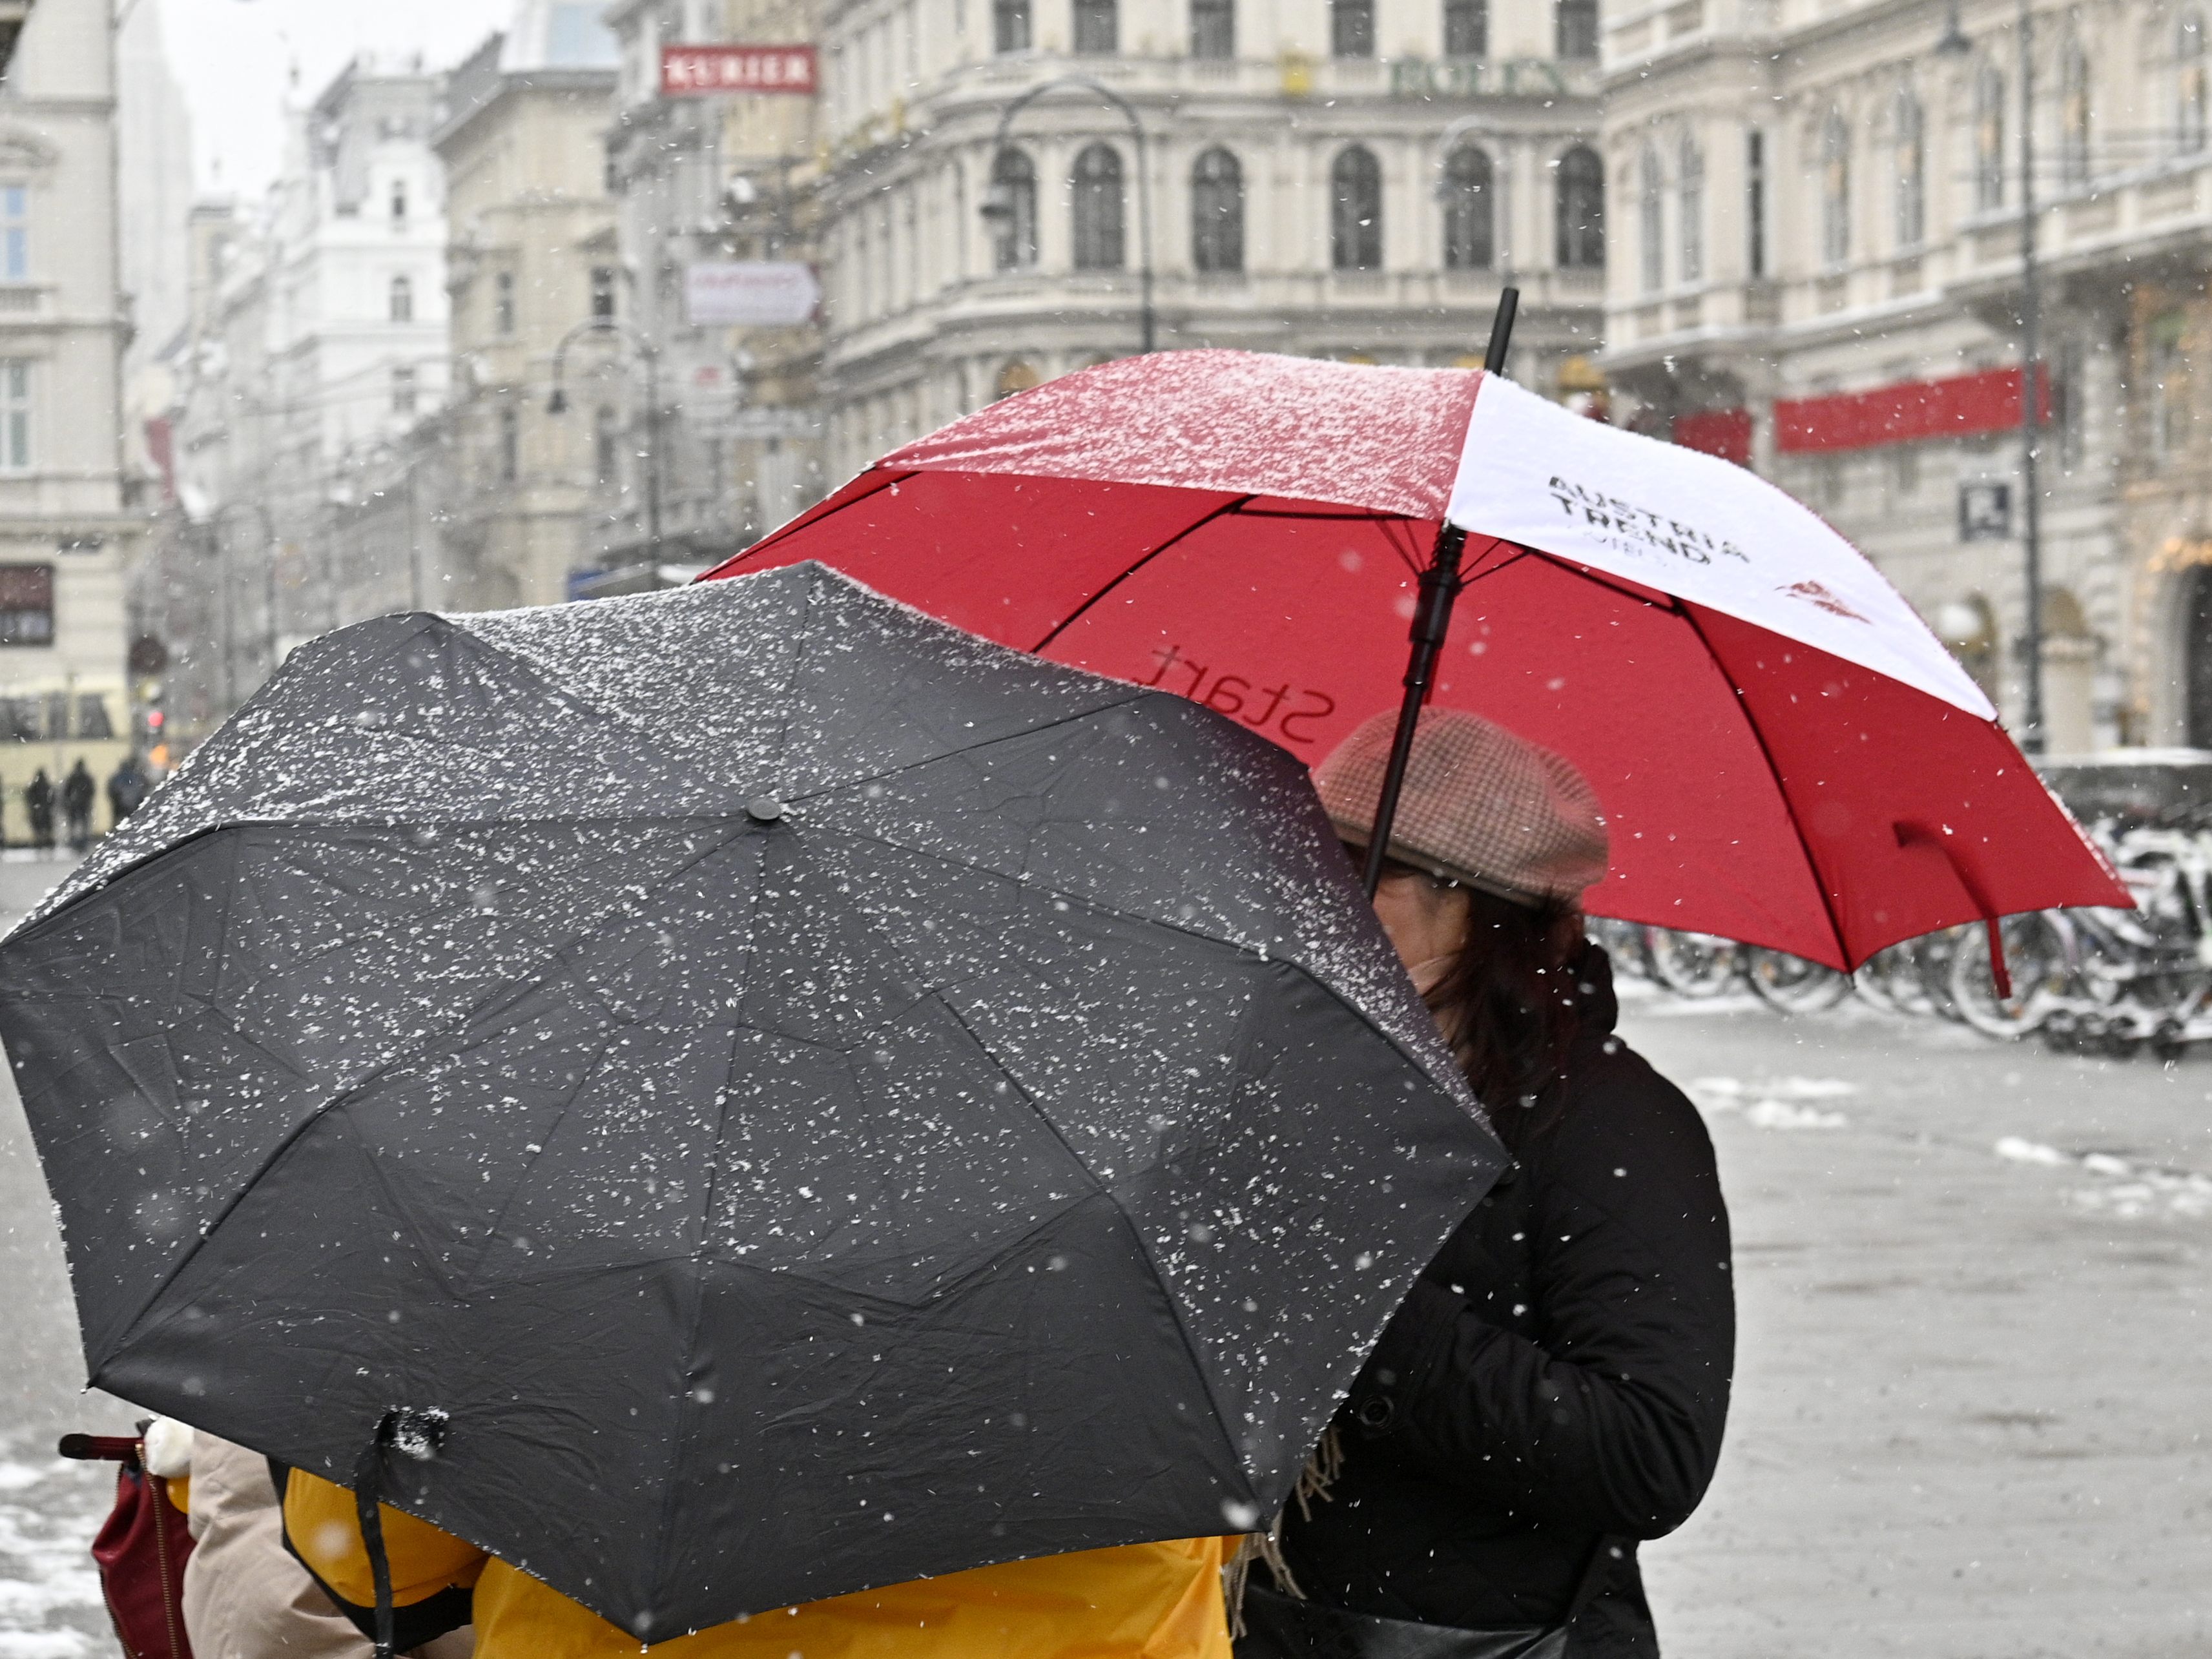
[1015, 188]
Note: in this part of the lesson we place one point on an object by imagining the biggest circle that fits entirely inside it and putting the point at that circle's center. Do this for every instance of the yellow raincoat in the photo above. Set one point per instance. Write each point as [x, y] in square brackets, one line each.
[1141, 1601]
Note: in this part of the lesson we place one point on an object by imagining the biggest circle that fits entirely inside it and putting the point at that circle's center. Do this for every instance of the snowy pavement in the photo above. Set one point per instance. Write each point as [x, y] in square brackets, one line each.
[1970, 1418]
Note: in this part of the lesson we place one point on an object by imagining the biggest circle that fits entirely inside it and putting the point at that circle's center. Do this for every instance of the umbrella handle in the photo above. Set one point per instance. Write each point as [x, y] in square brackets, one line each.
[417, 1434]
[1919, 835]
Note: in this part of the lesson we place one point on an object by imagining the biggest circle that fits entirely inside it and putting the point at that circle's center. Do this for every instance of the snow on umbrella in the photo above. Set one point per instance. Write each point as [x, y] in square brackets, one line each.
[1785, 753]
[786, 1095]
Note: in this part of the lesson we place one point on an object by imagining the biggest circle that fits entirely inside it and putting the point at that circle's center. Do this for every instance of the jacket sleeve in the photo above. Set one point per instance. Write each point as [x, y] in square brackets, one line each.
[1610, 1416]
[432, 1572]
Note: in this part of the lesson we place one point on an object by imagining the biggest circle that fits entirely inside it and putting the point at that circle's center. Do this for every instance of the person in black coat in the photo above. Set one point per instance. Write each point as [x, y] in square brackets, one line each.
[78, 793]
[1553, 1389]
[38, 805]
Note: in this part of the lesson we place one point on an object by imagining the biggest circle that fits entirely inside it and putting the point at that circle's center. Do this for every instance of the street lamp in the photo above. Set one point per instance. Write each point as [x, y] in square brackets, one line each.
[1954, 44]
[650, 356]
[996, 210]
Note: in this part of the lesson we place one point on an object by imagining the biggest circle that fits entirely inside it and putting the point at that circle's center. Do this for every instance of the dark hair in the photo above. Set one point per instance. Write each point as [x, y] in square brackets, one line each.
[1508, 1005]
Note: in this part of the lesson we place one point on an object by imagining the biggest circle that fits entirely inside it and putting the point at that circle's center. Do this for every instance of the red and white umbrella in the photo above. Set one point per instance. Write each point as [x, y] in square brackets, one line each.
[1784, 752]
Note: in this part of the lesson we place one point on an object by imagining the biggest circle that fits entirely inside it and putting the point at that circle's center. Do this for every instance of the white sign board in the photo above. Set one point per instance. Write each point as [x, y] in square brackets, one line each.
[1690, 525]
[750, 293]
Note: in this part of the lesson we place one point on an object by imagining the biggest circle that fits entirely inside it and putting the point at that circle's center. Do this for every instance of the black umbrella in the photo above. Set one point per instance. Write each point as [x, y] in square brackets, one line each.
[789, 1097]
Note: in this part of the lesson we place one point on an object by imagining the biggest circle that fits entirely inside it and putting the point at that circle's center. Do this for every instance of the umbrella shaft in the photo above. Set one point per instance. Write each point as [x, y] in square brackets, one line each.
[1431, 622]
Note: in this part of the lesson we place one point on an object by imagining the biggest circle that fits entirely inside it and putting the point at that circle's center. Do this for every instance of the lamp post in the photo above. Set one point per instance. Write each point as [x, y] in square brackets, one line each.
[1954, 44]
[647, 355]
[996, 208]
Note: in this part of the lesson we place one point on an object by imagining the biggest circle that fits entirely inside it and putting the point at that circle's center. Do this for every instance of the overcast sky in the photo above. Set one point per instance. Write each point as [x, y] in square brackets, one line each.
[236, 60]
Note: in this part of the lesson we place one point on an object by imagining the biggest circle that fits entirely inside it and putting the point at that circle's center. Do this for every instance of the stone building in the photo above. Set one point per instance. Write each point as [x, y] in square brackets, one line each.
[1819, 270]
[66, 532]
[530, 262]
[1014, 187]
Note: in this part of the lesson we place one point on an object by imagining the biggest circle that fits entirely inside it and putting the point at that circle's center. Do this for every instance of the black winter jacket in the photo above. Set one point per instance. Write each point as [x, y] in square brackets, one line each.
[1558, 1377]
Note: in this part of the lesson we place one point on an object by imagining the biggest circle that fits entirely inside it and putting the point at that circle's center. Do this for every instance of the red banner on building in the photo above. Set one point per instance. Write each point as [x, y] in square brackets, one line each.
[1957, 406]
[702, 71]
[1722, 432]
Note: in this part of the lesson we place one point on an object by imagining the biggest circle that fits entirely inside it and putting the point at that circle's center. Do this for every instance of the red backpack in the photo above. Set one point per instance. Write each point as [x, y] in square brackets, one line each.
[141, 1550]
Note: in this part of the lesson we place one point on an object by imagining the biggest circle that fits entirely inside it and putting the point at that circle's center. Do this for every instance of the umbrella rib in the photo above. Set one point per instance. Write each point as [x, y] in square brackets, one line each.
[1235, 504]
[1781, 789]
[490, 999]
[1137, 693]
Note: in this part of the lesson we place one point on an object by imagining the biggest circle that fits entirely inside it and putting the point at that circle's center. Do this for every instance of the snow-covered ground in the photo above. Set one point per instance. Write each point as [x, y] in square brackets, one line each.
[50, 1602]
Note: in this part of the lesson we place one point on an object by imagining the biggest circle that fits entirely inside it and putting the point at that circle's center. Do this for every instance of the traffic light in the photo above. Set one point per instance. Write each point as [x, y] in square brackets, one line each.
[153, 724]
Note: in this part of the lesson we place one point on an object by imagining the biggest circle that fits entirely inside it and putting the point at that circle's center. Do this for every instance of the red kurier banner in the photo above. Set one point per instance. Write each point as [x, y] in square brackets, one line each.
[1955, 407]
[702, 71]
[1722, 432]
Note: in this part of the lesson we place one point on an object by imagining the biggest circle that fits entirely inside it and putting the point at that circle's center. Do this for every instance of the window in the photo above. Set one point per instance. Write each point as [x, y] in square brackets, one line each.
[2189, 114]
[510, 445]
[1009, 25]
[2074, 115]
[1754, 204]
[1467, 28]
[1835, 189]
[1989, 139]
[1098, 27]
[1910, 141]
[15, 234]
[603, 294]
[2169, 389]
[1096, 187]
[1470, 210]
[402, 389]
[401, 301]
[1217, 213]
[398, 202]
[27, 615]
[606, 462]
[1213, 28]
[1352, 27]
[1650, 228]
[1014, 210]
[1575, 28]
[1578, 212]
[502, 302]
[1355, 222]
[1690, 210]
[15, 414]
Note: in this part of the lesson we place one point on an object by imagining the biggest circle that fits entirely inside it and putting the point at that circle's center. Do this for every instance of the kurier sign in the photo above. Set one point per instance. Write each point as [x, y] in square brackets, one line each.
[750, 293]
[702, 71]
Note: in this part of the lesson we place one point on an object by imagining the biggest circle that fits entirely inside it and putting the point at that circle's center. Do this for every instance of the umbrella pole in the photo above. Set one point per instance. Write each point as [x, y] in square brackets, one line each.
[1439, 591]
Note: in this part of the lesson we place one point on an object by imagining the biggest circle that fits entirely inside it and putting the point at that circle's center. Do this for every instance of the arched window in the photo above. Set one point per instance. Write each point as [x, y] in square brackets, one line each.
[401, 301]
[1012, 210]
[1213, 28]
[1470, 210]
[510, 445]
[1989, 139]
[1009, 25]
[1575, 28]
[2189, 82]
[398, 201]
[1467, 28]
[2074, 114]
[1216, 212]
[1355, 216]
[1578, 212]
[1690, 210]
[1352, 27]
[1835, 189]
[1098, 27]
[1096, 186]
[1650, 229]
[1909, 140]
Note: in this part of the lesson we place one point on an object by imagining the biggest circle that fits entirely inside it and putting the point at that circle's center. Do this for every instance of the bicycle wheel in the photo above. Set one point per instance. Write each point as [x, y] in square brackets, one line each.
[1694, 964]
[2036, 954]
[1895, 980]
[1793, 985]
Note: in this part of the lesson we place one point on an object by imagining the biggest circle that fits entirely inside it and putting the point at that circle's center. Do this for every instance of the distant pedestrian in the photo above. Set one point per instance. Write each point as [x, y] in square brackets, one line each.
[39, 803]
[126, 788]
[78, 792]
[1554, 1387]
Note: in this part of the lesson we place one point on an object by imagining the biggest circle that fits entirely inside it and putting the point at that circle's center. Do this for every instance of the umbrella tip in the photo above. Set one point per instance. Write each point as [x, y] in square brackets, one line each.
[764, 809]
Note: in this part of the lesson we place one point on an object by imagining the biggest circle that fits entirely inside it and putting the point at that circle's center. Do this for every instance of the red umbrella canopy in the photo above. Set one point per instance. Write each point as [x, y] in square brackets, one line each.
[1785, 753]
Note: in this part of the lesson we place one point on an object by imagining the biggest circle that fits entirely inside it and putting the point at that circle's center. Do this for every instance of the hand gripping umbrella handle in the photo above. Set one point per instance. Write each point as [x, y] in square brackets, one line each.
[1439, 589]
